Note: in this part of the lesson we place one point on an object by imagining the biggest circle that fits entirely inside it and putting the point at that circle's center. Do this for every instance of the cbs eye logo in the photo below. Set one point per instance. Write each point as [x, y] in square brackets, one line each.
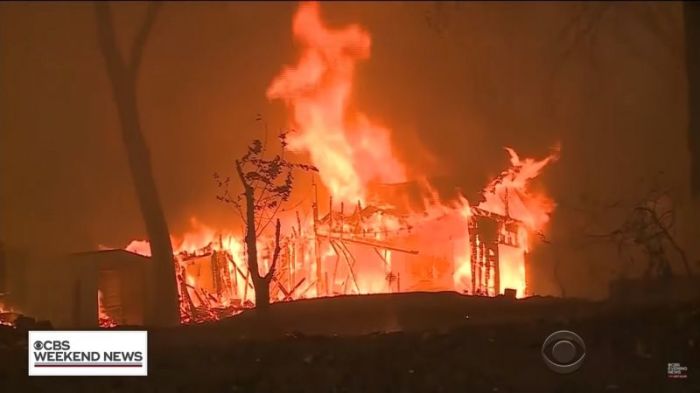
[563, 351]
[51, 345]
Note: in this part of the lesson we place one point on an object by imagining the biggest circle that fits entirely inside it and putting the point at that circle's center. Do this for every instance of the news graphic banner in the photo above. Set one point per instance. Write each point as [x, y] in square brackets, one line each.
[88, 353]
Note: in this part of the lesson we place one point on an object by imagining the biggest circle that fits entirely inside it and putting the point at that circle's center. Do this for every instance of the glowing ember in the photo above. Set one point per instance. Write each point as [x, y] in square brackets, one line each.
[361, 245]
[8, 315]
[104, 320]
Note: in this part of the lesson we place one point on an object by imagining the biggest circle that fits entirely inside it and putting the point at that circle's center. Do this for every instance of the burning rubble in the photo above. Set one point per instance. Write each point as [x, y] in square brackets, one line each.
[104, 319]
[7, 316]
[382, 232]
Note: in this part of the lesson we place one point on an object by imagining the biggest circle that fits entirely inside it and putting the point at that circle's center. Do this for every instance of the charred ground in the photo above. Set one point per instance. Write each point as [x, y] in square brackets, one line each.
[403, 343]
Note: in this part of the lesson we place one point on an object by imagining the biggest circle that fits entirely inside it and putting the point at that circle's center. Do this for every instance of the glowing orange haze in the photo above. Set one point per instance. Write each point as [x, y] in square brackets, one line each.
[351, 152]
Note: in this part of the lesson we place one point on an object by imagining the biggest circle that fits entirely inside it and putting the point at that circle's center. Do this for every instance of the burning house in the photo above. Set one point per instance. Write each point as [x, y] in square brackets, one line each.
[411, 242]
[418, 244]
[380, 232]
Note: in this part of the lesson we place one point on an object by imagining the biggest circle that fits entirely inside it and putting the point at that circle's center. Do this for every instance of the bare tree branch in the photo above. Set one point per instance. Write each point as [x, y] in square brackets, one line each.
[664, 231]
[276, 253]
[142, 36]
[107, 39]
[239, 170]
[646, 228]
[583, 28]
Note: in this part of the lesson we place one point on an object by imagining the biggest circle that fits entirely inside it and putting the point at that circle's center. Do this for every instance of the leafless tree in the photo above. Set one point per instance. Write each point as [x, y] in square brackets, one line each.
[123, 76]
[267, 185]
[681, 38]
[691, 13]
[556, 267]
[648, 226]
[581, 32]
[2, 269]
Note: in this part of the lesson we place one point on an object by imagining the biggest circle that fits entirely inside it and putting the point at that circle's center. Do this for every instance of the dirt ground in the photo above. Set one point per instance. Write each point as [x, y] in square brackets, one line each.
[402, 343]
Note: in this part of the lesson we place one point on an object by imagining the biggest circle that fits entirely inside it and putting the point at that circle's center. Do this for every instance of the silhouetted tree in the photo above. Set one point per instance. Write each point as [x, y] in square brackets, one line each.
[123, 77]
[659, 20]
[267, 185]
[2, 269]
[691, 14]
[648, 226]
[582, 30]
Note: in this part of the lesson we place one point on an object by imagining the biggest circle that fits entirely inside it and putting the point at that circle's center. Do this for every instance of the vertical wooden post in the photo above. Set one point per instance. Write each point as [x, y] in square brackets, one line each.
[474, 255]
[526, 291]
[342, 216]
[330, 214]
[505, 203]
[317, 246]
[496, 270]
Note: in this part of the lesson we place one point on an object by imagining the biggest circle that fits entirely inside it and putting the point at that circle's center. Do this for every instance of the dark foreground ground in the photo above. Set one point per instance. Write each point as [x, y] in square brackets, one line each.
[403, 343]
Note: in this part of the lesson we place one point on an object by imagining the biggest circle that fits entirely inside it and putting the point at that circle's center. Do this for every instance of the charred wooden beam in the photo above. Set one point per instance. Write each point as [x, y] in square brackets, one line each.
[289, 294]
[351, 272]
[498, 217]
[382, 257]
[317, 246]
[366, 243]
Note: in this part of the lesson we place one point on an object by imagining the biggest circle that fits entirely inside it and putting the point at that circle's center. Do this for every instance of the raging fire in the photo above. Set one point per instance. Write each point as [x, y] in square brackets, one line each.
[347, 147]
[368, 241]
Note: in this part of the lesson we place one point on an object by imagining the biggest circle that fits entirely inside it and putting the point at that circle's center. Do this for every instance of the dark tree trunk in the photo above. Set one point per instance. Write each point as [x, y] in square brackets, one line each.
[262, 293]
[3, 278]
[164, 297]
[691, 12]
[260, 283]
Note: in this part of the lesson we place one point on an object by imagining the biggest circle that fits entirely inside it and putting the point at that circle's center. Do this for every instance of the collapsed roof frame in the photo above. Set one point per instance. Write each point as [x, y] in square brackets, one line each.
[339, 230]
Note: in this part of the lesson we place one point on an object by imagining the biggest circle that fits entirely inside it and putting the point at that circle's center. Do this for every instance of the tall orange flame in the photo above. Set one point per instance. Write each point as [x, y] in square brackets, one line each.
[346, 146]
[509, 193]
